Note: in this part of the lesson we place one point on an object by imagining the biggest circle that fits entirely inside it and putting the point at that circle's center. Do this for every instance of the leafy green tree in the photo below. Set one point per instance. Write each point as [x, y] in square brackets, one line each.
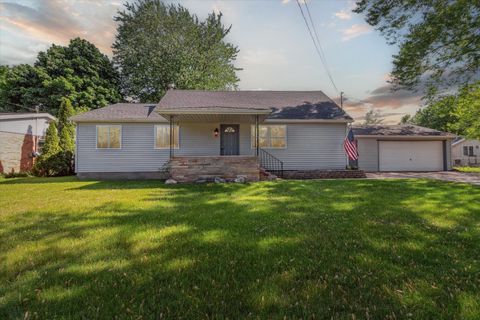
[438, 114]
[3, 87]
[439, 40]
[79, 72]
[467, 111]
[23, 88]
[159, 45]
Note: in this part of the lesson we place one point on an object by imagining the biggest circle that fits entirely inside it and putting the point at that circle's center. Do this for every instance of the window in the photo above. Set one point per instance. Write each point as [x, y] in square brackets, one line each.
[109, 137]
[162, 136]
[465, 151]
[470, 151]
[270, 136]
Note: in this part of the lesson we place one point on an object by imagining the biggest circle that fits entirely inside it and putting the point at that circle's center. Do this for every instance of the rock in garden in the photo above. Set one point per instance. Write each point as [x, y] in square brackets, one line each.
[171, 181]
[240, 179]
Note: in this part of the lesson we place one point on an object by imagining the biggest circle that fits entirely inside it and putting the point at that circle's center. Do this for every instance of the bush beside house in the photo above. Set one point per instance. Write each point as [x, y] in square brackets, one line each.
[57, 154]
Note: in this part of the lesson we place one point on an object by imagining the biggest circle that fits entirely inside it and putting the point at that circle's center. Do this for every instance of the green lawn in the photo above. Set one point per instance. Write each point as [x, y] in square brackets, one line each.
[352, 249]
[468, 169]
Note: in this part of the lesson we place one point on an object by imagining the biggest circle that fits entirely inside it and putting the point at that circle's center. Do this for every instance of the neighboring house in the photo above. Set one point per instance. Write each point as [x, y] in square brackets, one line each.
[466, 152]
[403, 148]
[21, 138]
[192, 134]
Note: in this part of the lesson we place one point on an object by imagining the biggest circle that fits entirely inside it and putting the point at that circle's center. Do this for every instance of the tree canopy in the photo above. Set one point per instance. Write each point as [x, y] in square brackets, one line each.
[458, 114]
[159, 45]
[79, 72]
[439, 41]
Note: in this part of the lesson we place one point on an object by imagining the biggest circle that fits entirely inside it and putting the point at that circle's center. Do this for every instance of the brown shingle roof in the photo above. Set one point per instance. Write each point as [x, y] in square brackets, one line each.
[301, 105]
[283, 104]
[121, 112]
[397, 130]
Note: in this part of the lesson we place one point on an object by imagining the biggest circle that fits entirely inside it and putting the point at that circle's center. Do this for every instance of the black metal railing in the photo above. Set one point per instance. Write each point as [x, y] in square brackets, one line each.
[270, 163]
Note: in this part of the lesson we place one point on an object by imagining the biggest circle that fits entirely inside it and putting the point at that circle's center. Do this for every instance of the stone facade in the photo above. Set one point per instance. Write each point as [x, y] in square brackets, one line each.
[16, 152]
[192, 168]
[323, 174]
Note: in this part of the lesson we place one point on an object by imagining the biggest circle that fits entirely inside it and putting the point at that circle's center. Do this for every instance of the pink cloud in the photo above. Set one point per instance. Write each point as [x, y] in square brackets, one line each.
[354, 31]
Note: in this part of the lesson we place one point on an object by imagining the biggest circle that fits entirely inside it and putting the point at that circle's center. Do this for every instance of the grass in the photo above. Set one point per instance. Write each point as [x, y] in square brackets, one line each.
[352, 249]
[468, 169]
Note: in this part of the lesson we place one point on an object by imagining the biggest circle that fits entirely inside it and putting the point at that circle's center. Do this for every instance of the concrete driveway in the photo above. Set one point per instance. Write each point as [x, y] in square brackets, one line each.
[453, 176]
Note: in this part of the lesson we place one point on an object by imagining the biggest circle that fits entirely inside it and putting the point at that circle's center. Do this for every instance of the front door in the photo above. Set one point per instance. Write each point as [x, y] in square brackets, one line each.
[229, 140]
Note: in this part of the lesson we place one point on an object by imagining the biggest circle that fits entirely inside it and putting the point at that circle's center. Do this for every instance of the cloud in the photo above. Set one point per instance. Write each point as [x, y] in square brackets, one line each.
[262, 56]
[54, 21]
[391, 104]
[354, 31]
[343, 14]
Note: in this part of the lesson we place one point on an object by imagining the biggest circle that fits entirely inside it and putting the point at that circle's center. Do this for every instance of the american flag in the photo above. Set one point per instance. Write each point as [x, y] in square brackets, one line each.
[350, 146]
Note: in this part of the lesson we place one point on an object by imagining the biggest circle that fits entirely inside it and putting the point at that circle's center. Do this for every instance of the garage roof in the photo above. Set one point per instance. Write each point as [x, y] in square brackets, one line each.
[398, 130]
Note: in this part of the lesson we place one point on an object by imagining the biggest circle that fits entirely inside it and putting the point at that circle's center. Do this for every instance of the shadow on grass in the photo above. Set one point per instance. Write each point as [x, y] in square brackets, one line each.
[378, 249]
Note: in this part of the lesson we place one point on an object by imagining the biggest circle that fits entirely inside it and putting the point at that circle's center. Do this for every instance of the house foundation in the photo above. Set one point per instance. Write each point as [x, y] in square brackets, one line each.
[193, 168]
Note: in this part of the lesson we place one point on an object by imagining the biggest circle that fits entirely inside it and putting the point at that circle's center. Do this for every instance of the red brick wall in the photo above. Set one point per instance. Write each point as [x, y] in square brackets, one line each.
[16, 152]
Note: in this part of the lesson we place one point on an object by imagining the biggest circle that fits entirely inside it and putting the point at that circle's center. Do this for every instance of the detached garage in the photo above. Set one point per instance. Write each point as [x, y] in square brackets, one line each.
[402, 148]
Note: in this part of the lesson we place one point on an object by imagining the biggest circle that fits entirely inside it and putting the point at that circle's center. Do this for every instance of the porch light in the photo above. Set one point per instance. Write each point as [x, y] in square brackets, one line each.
[215, 132]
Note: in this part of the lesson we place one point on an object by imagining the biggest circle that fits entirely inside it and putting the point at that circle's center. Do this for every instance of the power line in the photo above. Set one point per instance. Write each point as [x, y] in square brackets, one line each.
[325, 64]
[319, 51]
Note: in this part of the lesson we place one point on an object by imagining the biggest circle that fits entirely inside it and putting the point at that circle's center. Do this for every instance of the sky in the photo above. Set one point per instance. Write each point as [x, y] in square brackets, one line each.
[276, 51]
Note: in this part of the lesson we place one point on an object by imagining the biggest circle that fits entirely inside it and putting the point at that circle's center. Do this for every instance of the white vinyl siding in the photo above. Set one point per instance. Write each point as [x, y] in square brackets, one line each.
[109, 137]
[313, 146]
[310, 146]
[162, 136]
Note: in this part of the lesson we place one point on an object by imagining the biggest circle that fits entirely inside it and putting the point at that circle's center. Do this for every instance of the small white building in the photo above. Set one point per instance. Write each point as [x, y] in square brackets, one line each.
[466, 152]
[21, 138]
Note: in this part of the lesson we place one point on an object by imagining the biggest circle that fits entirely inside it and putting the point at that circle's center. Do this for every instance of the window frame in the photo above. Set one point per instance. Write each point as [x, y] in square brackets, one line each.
[252, 136]
[108, 125]
[155, 137]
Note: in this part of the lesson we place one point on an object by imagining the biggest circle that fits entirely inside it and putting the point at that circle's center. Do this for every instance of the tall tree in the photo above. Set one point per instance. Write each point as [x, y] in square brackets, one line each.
[51, 145]
[159, 45]
[439, 40]
[438, 114]
[79, 72]
[458, 114]
[467, 111]
[66, 128]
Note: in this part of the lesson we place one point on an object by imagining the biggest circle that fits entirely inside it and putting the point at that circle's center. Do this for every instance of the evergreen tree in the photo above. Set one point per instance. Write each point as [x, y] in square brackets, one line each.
[50, 162]
[65, 126]
[52, 142]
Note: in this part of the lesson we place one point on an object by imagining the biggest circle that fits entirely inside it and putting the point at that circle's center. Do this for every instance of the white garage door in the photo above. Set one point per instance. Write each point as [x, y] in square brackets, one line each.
[410, 155]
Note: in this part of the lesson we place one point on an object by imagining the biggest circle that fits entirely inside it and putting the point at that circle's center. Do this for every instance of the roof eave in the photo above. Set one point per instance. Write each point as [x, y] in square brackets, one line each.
[432, 137]
[311, 120]
[119, 120]
[213, 111]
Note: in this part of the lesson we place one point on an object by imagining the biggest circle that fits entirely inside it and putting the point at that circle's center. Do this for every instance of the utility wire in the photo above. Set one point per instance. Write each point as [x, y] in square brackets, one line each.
[319, 51]
[325, 64]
